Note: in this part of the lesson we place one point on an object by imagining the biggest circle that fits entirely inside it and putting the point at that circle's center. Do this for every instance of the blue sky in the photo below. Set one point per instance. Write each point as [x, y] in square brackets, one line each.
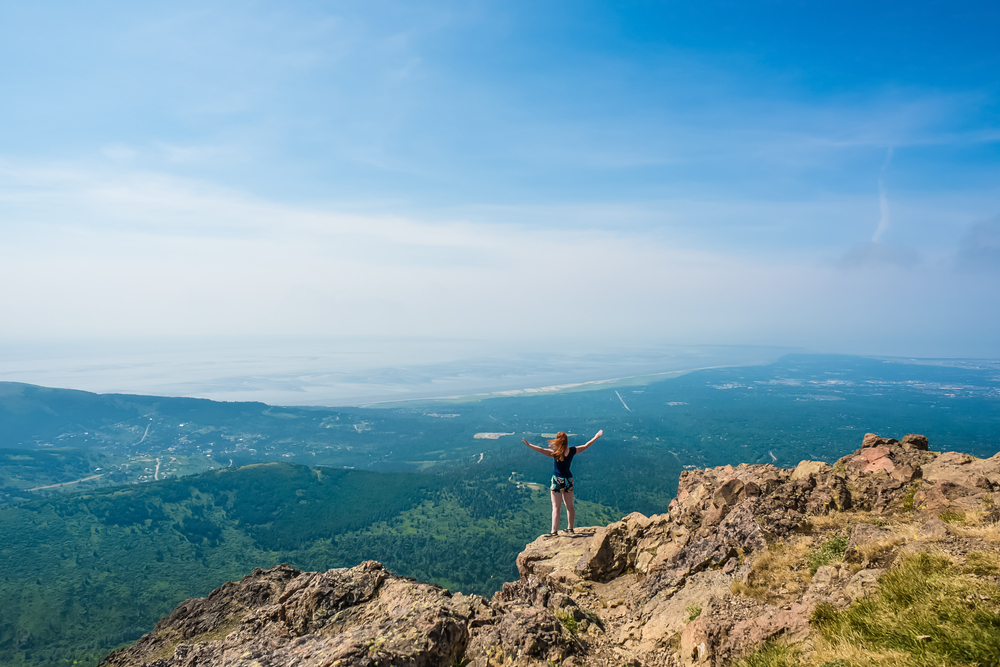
[820, 175]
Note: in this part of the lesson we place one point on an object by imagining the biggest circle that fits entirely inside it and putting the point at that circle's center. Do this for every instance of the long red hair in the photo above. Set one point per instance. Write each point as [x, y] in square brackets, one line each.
[560, 444]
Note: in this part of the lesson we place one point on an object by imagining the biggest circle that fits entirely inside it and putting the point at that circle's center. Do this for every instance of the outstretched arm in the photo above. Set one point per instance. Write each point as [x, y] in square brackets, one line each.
[547, 452]
[592, 441]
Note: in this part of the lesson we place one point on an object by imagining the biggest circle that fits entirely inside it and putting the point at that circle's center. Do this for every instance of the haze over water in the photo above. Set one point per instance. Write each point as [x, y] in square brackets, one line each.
[349, 371]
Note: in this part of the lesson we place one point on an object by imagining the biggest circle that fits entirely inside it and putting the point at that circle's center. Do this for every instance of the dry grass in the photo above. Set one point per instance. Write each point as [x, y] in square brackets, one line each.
[875, 551]
[836, 522]
[900, 527]
[955, 518]
[782, 566]
[824, 653]
[978, 529]
[773, 654]
[976, 518]
[982, 563]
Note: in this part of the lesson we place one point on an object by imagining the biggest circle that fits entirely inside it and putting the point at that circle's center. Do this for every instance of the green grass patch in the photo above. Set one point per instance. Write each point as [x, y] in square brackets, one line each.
[693, 610]
[772, 654]
[982, 564]
[831, 551]
[568, 621]
[926, 609]
[909, 496]
[957, 518]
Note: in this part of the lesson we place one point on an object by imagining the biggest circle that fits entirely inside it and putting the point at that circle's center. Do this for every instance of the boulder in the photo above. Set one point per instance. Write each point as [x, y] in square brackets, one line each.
[555, 560]
[933, 529]
[809, 468]
[611, 550]
[914, 441]
[943, 495]
[698, 642]
[872, 440]
[791, 624]
[522, 634]
[862, 583]
[825, 576]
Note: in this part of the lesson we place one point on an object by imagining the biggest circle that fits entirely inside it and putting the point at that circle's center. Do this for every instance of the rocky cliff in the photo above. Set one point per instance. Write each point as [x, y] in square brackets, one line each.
[748, 560]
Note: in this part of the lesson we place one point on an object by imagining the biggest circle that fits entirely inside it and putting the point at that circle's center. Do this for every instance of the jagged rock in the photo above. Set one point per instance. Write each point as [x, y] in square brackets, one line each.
[791, 624]
[361, 616]
[698, 642]
[809, 468]
[664, 617]
[933, 529]
[643, 591]
[862, 583]
[612, 549]
[522, 634]
[941, 496]
[827, 586]
[559, 560]
[738, 532]
[824, 576]
[914, 441]
[872, 440]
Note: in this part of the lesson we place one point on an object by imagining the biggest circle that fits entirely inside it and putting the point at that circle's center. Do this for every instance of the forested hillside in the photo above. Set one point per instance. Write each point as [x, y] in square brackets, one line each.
[83, 573]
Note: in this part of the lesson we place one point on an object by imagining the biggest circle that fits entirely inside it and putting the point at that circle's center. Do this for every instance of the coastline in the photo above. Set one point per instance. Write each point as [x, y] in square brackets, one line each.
[571, 387]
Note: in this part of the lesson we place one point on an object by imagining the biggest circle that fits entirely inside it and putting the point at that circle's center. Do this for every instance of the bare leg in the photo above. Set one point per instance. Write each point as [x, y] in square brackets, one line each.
[568, 497]
[556, 510]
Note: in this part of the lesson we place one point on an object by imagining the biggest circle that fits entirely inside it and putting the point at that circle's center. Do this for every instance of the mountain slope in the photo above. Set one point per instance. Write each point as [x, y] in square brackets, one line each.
[749, 563]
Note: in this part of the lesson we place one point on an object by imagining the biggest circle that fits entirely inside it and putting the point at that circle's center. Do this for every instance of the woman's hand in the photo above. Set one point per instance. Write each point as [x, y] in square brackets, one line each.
[599, 434]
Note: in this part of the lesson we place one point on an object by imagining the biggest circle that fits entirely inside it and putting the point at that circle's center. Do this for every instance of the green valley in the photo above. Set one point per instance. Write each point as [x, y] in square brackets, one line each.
[118, 507]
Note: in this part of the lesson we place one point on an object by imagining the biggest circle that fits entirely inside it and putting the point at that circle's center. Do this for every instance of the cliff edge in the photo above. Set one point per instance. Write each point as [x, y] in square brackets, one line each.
[750, 560]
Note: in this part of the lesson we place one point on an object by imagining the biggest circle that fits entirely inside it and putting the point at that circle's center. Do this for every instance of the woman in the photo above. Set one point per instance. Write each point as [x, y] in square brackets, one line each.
[562, 479]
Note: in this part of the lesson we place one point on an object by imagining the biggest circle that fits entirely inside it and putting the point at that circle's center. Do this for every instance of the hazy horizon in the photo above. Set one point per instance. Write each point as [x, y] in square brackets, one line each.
[318, 373]
[360, 374]
[501, 178]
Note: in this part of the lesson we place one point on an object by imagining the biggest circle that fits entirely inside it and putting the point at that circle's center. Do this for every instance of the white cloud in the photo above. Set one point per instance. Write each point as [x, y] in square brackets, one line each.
[138, 254]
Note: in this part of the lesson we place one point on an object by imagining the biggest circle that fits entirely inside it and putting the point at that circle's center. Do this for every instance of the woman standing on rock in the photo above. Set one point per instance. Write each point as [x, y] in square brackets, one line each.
[562, 479]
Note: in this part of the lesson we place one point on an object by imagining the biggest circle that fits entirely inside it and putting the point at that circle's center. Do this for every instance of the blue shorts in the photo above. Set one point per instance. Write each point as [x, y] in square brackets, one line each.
[561, 484]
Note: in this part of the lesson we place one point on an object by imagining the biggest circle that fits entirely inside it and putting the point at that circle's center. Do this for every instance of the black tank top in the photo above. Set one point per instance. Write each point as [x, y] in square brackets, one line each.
[562, 467]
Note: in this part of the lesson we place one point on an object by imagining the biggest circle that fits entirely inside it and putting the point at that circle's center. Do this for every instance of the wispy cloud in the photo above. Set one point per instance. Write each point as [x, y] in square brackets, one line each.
[883, 201]
[144, 254]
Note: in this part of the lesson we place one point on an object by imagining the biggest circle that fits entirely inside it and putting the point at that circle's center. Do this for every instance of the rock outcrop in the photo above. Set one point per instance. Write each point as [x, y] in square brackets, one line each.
[681, 588]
